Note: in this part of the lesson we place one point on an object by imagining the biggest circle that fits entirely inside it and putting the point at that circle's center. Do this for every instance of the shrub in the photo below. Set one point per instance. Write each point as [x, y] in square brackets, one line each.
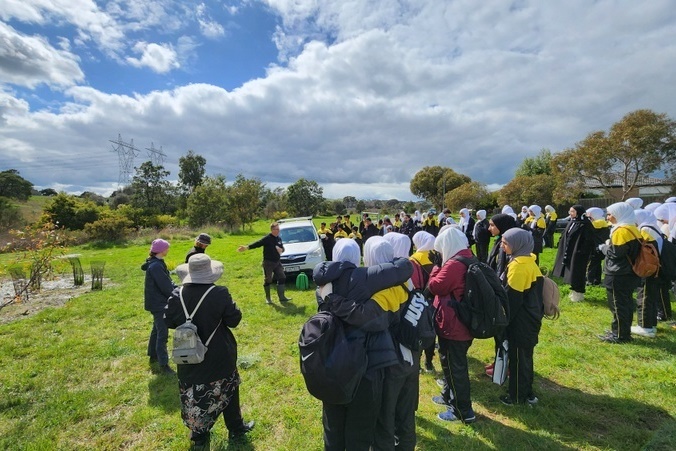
[112, 228]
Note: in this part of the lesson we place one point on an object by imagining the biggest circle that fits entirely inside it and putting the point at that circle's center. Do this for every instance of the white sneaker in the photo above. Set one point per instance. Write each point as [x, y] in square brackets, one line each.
[576, 297]
[649, 332]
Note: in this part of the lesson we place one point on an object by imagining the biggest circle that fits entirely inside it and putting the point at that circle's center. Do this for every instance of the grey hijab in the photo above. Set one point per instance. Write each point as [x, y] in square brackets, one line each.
[520, 240]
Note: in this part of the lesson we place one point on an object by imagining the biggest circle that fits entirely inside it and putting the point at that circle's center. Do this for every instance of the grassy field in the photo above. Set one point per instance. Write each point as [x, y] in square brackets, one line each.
[77, 377]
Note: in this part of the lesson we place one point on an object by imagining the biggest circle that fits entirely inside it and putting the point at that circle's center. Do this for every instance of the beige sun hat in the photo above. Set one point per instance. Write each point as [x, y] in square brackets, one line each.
[200, 269]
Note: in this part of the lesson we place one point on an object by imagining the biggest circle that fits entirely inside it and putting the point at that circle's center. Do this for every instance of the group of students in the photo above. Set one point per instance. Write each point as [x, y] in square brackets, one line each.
[370, 298]
[593, 236]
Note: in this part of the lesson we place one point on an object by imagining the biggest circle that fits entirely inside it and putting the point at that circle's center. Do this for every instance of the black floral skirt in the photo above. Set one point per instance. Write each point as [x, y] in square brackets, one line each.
[201, 404]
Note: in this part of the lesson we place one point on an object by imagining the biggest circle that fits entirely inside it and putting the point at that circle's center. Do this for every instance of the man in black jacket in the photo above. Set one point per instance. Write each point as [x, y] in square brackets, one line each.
[272, 249]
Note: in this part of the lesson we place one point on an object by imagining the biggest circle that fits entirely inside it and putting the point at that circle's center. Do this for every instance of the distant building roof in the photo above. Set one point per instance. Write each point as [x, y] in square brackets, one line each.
[617, 182]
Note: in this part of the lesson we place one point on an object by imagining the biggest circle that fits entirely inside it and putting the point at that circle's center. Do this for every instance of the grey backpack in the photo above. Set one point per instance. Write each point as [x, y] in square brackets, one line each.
[188, 348]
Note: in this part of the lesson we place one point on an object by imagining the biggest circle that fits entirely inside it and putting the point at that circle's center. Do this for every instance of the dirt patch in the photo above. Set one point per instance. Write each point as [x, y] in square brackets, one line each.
[53, 293]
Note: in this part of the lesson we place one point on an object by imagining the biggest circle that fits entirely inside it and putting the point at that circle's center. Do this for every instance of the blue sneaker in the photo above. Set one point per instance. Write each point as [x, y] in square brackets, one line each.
[451, 415]
[442, 401]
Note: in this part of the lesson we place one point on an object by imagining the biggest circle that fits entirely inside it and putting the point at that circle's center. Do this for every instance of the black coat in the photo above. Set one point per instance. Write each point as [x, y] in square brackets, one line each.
[572, 256]
[353, 288]
[158, 285]
[220, 360]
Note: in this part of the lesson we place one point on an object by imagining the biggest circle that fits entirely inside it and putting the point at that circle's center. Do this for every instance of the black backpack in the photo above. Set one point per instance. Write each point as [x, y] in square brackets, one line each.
[484, 308]
[668, 260]
[667, 257]
[416, 323]
[332, 358]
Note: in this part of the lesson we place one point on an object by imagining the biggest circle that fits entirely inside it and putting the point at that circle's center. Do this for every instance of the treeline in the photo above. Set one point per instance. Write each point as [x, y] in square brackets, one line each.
[641, 143]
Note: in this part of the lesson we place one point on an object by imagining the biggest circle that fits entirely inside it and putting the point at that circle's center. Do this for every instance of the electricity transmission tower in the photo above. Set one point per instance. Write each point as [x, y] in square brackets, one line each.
[156, 156]
[126, 153]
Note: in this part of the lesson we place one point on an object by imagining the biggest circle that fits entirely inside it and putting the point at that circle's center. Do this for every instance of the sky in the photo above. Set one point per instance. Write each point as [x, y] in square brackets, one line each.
[356, 95]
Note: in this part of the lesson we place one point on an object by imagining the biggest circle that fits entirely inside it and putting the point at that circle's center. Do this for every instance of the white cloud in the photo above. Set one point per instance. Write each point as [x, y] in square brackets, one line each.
[209, 27]
[372, 93]
[159, 58]
[31, 60]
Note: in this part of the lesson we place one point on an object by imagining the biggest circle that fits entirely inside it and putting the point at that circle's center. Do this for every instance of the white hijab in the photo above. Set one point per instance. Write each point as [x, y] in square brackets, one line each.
[347, 251]
[481, 215]
[377, 251]
[507, 210]
[450, 242]
[635, 202]
[423, 241]
[595, 213]
[401, 243]
[537, 211]
[464, 219]
[652, 206]
[624, 214]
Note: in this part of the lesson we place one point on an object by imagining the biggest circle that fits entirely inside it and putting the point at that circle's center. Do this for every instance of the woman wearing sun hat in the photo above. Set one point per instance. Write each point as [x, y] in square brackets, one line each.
[210, 388]
[157, 289]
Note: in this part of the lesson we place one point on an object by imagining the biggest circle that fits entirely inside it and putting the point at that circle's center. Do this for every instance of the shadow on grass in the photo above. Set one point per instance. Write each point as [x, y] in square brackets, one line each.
[565, 418]
[163, 393]
[289, 308]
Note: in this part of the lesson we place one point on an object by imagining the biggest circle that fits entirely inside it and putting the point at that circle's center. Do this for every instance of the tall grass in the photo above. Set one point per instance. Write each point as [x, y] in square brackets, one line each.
[77, 377]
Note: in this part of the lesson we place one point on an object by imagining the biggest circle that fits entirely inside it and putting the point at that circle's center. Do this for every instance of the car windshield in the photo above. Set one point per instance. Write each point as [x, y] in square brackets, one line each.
[298, 235]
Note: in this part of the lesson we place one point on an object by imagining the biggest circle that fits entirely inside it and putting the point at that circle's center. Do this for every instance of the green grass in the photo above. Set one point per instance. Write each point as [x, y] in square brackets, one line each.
[77, 377]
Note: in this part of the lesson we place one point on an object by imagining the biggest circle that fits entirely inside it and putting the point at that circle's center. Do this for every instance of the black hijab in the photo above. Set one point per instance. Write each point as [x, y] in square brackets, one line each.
[503, 222]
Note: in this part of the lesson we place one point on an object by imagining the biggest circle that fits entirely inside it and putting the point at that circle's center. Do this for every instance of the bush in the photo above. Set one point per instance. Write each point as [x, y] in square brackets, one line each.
[113, 228]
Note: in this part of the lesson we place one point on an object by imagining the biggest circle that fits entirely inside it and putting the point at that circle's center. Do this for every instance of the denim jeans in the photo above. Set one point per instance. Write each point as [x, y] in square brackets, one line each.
[157, 344]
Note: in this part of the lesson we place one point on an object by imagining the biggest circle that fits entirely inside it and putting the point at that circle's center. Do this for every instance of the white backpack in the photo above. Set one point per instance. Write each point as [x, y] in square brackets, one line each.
[188, 348]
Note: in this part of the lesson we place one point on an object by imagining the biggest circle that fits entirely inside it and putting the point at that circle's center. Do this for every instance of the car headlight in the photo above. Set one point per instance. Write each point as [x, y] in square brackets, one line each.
[317, 253]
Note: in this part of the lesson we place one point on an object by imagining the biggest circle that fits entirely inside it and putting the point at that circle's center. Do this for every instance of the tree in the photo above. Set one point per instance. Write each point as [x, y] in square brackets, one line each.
[48, 192]
[191, 171]
[350, 201]
[431, 182]
[71, 212]
[641, 143]
[360, 206]
[541, 164]
[527, 190]
[152, 191]
[338, 207]
[207, 203]
[9, 214]
[472, 195]
[274, 202]
[13, 186]
[304, 197]
[243, 201]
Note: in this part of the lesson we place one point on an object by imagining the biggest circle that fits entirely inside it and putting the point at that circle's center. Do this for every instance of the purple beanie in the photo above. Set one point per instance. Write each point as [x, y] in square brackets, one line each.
[158, 246]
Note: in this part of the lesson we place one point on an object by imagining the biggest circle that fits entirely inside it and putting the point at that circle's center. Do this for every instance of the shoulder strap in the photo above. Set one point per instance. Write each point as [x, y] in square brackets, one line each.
[464, 260]
[185, 310]
[189, 318]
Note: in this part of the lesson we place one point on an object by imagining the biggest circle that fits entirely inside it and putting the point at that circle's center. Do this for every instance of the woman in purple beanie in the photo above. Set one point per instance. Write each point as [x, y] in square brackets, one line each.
[158, 288]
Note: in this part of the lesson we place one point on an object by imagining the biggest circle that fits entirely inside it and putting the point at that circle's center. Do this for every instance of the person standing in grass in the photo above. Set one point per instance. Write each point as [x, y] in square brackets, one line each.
[272, 266]
[550, 222]
[620, 280]
[524, 284]
[347, 291]
[157, 289]
[447, 282]
[208, 389]
[201, 242]
[649, 291]
[600, 233]
[575, 246]
[482, 237]
[424, 245]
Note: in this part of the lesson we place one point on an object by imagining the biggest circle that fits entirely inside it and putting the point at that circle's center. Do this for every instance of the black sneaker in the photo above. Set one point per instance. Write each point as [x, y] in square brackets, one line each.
[242, 431]
[613, 338]
[507, 400]
[532, 400]
[166, 369]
